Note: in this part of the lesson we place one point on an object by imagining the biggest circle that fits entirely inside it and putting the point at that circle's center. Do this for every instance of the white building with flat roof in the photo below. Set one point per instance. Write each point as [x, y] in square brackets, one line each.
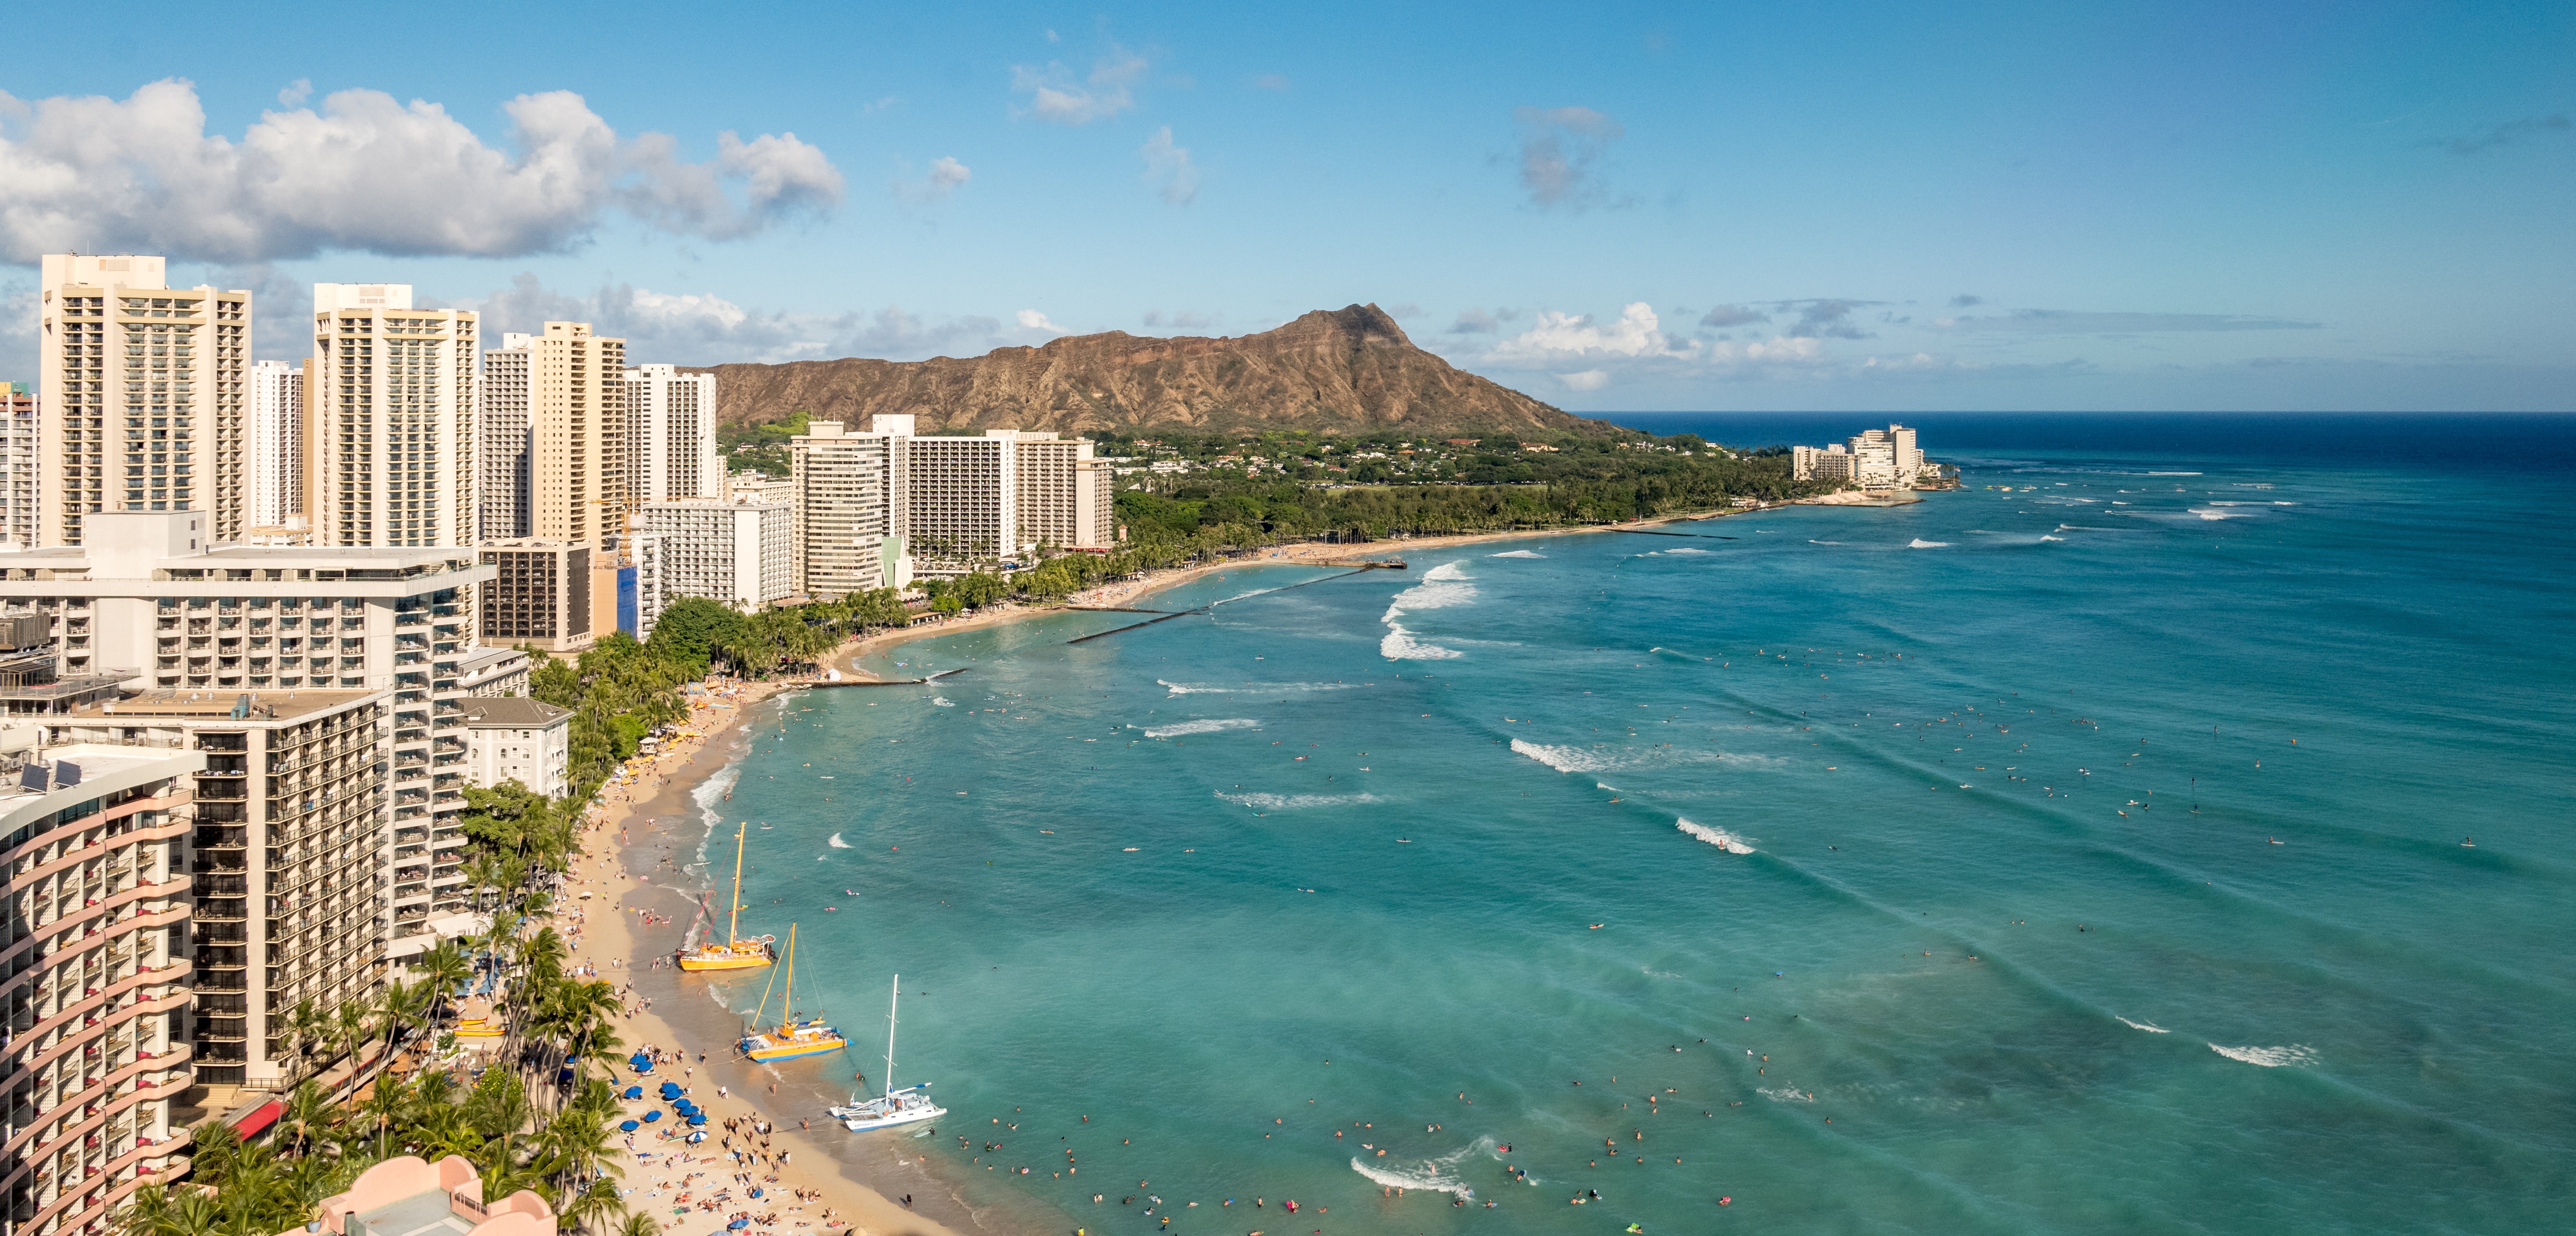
[506, 443]
[274, 466]
[1871, 459]
[740, 553]
[671, 435]
[523, 740]
[391, 420]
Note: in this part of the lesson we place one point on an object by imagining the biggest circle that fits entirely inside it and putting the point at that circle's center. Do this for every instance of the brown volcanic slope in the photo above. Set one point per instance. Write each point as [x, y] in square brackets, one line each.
[1346, 371]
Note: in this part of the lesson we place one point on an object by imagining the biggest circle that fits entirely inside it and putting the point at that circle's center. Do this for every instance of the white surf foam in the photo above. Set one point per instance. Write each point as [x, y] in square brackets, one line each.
[1920, 543]
[2211, 512]
[1517, 553]
[2046, 537]
[1210, 688]
[2294, 1056]
[1439, 1175]
[1562, 759]
[838, 844]
[1442, 587]
[1718, 837]
[1812, 541]
[1686, 550]
[1399, 645]
[1210, 726]
[1786, 1095]
[943, 701]
[2173, 474]
[2149, 1027]
[1294, 802]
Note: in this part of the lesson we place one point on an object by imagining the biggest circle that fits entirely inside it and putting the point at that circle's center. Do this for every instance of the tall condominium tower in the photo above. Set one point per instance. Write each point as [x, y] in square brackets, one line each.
[671, 435]
[577, 489]
[1065, 496]
[390, 422]
[159, 373]
[17, 464]
[840, 534]
[507, 441]
[275, 467]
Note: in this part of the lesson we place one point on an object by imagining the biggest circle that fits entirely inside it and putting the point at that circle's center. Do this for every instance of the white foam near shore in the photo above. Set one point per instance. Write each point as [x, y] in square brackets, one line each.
[1210, 726]
[1718, 837]
[1438, 1175]
[943, 701]
[1787, 1095]
[1399, 645]
[1442, 587]
[836, 842]
[1562, 759]
[1517, 553]
[2212, 512]
[1292, 802]
[2293, 1056]
[1686, 549]
[1209, 688]
[2149, 1027]
[1920, 543]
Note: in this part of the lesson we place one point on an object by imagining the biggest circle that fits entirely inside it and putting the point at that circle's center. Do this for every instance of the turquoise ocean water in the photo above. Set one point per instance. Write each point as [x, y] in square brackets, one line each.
[2003, 941]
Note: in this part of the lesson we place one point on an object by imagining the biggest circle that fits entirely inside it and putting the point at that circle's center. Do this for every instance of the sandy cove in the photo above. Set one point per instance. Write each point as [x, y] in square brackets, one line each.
[621, 849]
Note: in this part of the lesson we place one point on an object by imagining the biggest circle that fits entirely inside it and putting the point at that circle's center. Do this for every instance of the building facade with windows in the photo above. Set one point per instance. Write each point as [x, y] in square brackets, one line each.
[840, 533]
[577, 486]
[735, 552]
[508, 445]
[523, 740]
[274, 468]
[98, 980]
[671, 435]
[540, 596]
[390, 425]
[17, 464]
[141, 394]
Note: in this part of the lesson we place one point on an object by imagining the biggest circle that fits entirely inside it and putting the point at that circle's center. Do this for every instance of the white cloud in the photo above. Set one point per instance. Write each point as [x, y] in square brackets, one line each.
[1586, 380]
[1562, 337]
[296, 92]
[1055, 96]
[372, 174]
[1168, 167]
[946, 174]
[699, 328]
[1031, 319]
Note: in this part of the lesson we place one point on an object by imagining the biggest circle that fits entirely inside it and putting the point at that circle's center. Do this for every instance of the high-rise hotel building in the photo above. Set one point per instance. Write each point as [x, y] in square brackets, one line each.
[508, 444]
[390, 421]
[17, 463]
[577, 487]
[275, 466]
[141, 391]
[98, 979]
[671, 435]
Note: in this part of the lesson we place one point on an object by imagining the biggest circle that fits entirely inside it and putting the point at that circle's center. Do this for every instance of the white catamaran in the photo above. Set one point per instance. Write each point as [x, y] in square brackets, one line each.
[905, 1106]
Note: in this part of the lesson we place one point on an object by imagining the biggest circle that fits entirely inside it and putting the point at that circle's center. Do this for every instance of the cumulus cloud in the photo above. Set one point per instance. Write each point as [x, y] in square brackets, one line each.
[2504, 134]
[946, 174]
[700, 328]
[1055, 95]
[1169, 170]
[2072, 322]
[296, 92]
[1725, 316]
[1560, 149]
[1557, 337]
[1031, 319]
[1585, 380]
[369, 173]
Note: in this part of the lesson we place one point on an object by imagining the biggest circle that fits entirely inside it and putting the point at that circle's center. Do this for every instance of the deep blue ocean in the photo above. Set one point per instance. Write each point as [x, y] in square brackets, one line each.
[2082, 850]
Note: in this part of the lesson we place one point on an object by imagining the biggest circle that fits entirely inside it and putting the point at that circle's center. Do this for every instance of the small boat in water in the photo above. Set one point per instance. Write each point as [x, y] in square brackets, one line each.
[907, 1105]
[792, 1039]
[735, 953]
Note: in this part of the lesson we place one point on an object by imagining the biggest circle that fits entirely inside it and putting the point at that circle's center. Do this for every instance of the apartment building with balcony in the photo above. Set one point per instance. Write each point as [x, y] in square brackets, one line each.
[289, 857]
[95, 966]
[523, 740]
[150, 606]
[734, 552]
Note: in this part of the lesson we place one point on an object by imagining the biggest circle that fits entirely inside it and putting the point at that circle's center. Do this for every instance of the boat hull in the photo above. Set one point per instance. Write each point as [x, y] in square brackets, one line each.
[907, 1116]
[792, 1051]
[734, 961]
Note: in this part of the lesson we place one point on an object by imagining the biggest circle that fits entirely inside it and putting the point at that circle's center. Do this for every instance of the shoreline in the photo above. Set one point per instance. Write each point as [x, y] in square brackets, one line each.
[620, 874]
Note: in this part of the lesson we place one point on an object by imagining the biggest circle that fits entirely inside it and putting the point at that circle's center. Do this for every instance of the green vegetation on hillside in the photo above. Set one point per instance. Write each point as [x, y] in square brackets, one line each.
[760, 446]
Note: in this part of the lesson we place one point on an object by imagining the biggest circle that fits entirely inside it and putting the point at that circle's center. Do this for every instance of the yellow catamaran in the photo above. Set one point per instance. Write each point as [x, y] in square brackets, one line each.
[791, 1039]
[735, 953]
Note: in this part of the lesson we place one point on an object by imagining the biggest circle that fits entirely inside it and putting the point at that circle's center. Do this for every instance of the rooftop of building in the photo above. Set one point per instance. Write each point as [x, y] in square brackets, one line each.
[94, 769]
[255, 707]
[512, 712]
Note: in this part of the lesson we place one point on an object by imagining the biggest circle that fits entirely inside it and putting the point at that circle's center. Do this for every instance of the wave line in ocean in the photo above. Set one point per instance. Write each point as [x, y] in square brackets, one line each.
[1209, 726]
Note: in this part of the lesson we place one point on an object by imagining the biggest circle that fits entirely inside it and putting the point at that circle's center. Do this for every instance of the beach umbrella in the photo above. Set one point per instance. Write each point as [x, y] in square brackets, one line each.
[695, 1138]
[653, 1115]
[628, 1125]
[737, 1225]
[634, 1092]
[696, 1119]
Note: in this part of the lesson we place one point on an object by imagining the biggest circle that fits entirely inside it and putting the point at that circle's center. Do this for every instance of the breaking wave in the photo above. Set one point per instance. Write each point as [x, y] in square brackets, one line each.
[2045, 537]
[1293, 802]
[2269, 1057]
[1201, 727]
[1399, 645]
[1687, 550]
[1439, 1175]
[1517, 553]
[836, 842]
[2149, 1027]
[1718, 837]
[1209, 688]
[1787, 1095]
[1920, 543]
[1812, 541]
[1442, 587]
[2212, 512]
[943, 701]
[1562, 759]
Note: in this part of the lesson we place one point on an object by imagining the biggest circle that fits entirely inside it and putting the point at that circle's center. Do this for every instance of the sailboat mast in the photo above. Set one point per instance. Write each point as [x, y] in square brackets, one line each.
[787, 1005]
[891, 1002]
[734, 920]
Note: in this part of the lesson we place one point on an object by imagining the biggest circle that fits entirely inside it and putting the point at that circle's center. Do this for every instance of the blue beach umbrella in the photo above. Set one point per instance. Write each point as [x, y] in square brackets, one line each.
[737, 1225]
[696, 1120]
[628, 1125]
[634, 1092]
[653, 1115]
[695, 1138]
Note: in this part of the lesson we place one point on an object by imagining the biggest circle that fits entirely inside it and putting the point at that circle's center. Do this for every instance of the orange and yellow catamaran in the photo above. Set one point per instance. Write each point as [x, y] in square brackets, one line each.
[735, 953]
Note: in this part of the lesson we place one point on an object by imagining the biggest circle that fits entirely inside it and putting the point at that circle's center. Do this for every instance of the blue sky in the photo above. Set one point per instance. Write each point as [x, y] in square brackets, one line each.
[2344, 206]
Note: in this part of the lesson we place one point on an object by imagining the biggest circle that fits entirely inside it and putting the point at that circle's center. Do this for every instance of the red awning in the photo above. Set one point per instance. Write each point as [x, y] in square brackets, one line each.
[259, 1119]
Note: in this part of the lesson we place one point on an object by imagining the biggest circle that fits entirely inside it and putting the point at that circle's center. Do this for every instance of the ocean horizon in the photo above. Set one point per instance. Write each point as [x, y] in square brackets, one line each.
[2160, 832]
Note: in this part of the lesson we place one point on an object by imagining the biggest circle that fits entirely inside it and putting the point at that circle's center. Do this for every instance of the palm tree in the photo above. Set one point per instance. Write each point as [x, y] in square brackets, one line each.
[444, 967]
[640, 1225]
[593, 1206]
[308, 1112]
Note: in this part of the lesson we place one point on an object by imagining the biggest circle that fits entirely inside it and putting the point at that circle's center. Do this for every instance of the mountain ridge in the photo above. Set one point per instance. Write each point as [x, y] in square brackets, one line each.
[1346, 370]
